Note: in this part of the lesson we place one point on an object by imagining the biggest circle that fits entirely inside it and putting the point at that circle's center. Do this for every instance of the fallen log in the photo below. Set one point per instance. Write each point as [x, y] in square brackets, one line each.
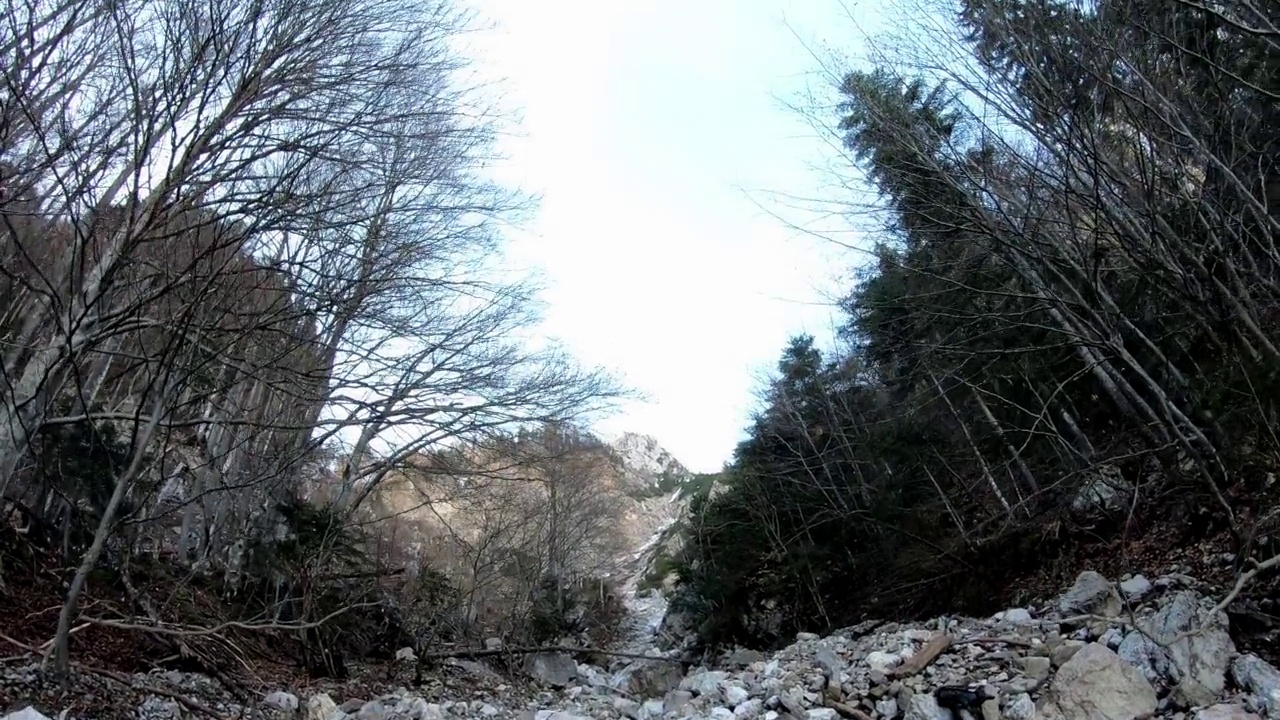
[924, 658]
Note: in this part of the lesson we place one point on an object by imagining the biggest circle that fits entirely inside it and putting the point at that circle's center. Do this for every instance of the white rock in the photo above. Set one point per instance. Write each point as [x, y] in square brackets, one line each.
[721, 713]
[1018, 616]
[555, 669]
[749, 710]
[883, 662]
[1261, 680]
[706, 683]
[1090, 594]
[282, 700]
[372, 710]
[923, 706]
[1020, 707]
[26, 713]
[406, 654]
[627, 707]
[735, 695]
[651, 709]
[1135, 588]
[320, 707]
[423, 710]
[822, 714]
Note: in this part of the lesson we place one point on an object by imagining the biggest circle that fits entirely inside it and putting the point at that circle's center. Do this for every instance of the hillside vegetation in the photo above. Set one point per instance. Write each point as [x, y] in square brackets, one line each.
[1067, 335]
[252, 288]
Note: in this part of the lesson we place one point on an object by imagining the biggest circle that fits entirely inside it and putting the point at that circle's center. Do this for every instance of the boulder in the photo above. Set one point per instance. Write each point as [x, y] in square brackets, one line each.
[282, 700]
[320, 707]
[648, 678]
[1091, 594]
[372, 710]
[554, 669]
[1095, 684]
[1185, 647]
[1261, 680]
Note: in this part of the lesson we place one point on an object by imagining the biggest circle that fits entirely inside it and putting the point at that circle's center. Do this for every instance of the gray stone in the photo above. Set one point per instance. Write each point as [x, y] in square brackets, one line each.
[1141, 652]
[423, 710]
[676, 701]
[882, 661]
[705, 684]
[1135, 588]
[1261, 680]
[1111, 638]
[822, 714]
[1225, 711]
[1064, 651]
[887, 707]
[320, 707]
[749, 710]
[742, 657]
[830, 662]
[1091, 594]
[735, 695]
[1097, 685]
[1020, 707]
[1186, 646]
[1036, 667]
[1017, 616]
[26, 713]
[652, 709]
[372, 710]
[628, 707]
[554, 669]
[905, 694]
[924, 706]
[1105, 489]
[282, 700]
[991, 710]
[648, 678]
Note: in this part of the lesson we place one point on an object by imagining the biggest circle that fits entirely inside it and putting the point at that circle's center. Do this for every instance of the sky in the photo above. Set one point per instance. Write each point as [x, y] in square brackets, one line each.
[654, 133]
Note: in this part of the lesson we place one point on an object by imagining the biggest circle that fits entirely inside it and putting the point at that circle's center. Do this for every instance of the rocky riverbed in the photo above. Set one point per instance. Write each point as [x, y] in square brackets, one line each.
[1101, 651]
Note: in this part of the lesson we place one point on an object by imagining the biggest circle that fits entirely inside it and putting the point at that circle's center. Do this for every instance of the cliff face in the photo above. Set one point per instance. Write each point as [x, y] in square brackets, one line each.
[494, 526]
[655, 480]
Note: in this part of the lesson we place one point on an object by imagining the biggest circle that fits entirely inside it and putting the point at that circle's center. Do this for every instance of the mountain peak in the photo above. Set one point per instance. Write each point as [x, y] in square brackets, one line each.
[644, 455]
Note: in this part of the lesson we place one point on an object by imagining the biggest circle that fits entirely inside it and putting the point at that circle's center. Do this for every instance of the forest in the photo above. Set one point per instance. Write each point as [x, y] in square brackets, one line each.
[1065, 343]
[255, 317]
[262, 353]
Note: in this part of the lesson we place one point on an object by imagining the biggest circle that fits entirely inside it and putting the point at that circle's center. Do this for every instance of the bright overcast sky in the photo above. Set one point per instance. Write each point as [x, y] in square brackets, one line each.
[647, 127]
